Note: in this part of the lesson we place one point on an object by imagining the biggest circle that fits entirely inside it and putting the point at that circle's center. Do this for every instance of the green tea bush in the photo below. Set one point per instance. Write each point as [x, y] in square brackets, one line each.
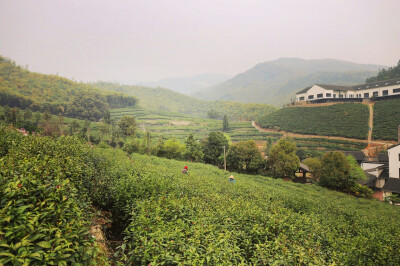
[43, 217]
[386, 119]
[345, 120]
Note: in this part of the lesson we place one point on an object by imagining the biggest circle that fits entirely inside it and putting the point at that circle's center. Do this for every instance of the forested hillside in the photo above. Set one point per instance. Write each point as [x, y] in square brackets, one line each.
[166, 100]
[390, 73]
[160, 216]
[345, 120]
[24, 89]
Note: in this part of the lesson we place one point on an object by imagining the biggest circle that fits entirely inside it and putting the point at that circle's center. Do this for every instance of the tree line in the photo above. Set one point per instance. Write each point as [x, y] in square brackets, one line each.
[383, 74]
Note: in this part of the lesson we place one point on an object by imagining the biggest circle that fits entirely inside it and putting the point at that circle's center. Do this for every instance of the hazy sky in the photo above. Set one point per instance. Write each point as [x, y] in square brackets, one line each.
[146, 40]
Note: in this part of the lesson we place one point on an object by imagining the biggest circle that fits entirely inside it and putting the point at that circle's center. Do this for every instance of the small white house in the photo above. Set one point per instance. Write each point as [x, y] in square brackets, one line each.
[319, 92]
[394, 161]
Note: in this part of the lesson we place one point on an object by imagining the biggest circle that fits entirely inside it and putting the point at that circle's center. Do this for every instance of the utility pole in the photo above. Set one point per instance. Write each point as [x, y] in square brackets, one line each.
[224, 159]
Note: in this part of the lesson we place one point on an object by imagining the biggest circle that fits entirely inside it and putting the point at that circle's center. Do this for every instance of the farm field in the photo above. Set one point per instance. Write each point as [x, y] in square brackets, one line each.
[171, 125]
[167, 217]
[348, 120]
[386, 119]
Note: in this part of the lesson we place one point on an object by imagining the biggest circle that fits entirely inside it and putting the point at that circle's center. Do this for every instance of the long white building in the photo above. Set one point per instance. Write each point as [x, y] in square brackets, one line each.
[323, 93]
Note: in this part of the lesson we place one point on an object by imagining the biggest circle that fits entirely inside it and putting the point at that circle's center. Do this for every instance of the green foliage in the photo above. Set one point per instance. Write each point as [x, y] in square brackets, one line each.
[203, 219]
[43, 216]
[335, 172]
[213, 148]
[386, 119]
[315, 166]
[225, 124]
[165, 100]
[212, 114]
[127, 124]
[172, 149]
[345, 120]
[282, 160]
[244, 157]
[23, 89]
[383, 74]
[193, 151]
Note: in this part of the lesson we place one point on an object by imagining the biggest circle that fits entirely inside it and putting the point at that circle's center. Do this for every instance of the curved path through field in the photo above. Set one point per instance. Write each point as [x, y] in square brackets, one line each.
[380, 144]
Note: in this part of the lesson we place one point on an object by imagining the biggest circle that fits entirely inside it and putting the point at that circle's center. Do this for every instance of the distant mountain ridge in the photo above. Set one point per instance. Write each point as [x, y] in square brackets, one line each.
[188, 85]
[277, 81]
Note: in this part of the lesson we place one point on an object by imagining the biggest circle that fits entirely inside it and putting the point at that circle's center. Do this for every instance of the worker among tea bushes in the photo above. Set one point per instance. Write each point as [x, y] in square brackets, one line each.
[185, 170]
[232, 179]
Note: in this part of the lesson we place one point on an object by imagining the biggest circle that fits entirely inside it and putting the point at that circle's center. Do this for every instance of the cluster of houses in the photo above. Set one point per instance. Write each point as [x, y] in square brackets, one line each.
[320, 93]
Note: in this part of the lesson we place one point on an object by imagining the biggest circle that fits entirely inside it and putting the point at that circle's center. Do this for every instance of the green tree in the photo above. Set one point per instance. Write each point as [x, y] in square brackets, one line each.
[212, 114]
[335, 171]
[28, 115]
[213, 148]
[127, 124]
[283, 161]
[173, 149]
[356, 172]
[104, 129]
[225, 123]
[73, 127]
[314, 164]
[107, 117]
[244, 157]
[193, 151]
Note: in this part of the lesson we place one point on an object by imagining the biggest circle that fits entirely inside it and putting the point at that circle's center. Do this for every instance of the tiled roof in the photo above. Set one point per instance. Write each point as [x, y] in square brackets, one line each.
[335, 87]
[379, 84]
[392, 185]
[384, 83]
[303, 90]
[358, 155]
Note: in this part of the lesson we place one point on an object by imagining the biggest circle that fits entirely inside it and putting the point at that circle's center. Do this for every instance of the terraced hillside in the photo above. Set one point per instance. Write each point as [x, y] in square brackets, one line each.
[179, 126]
[161, 99]
[345, 120]
[386, 119]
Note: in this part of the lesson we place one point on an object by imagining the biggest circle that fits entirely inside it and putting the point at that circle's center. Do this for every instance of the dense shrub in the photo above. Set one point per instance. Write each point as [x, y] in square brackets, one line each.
[386, 119]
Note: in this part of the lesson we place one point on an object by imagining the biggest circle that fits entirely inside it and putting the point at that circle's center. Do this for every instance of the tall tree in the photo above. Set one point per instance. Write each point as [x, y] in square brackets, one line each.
[213, 148]
[127, 124]
[283, 161]
[335, 171]
[244, 157]
[193, 151]
[225, 123]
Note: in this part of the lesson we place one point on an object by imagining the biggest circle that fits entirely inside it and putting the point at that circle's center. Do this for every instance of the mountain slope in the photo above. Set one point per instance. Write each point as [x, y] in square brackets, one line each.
[188, 85]
[161, 99]
[277, 81]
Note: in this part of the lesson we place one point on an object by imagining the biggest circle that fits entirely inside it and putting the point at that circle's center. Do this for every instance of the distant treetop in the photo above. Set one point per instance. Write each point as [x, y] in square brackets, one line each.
[390, 73]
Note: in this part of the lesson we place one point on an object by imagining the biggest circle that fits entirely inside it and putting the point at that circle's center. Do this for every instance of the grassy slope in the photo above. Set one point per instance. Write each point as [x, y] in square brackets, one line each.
[166, 100]
[345, 120]
[386, 119]
[202, 218]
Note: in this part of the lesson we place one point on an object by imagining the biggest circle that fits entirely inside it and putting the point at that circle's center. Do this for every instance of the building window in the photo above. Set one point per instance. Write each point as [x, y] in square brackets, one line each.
[329, 95]
[366, 95]
[396, 90]
[375, 94]
[301, 98]
[399, 157]
[351, 96]
[334, 95]
[320, 95]
[310, 97]
[340, 95]
[385, 93]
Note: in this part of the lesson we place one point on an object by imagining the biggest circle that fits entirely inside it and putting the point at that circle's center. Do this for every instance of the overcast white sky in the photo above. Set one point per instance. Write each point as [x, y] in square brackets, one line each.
[147, 40]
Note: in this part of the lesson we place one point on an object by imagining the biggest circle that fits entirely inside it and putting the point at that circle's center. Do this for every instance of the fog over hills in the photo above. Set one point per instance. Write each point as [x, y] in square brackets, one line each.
[276, 82]
[188, 85]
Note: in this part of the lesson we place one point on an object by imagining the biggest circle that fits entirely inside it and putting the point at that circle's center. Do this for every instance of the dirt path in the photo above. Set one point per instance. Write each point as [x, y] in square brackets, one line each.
[370, 121]
[371, 145]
